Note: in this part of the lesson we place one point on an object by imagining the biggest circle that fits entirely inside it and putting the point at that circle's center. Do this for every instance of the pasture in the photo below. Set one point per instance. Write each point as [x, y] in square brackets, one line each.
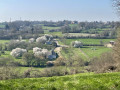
[86, 41]
[95, 51]
[50, 28]
[85, 53]
[54, 33]
[79, 34]
[70, 52]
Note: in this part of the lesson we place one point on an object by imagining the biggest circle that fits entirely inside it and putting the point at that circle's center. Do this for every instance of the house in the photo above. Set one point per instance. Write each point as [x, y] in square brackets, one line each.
[112, 42]
[48, 42]
[51, 55]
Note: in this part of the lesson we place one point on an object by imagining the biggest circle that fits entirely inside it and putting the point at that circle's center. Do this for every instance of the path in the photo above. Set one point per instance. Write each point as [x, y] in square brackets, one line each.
[59, 48]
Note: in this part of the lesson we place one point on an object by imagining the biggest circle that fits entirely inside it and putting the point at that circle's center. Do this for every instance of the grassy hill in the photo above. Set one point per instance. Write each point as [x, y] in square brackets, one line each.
[108, 81]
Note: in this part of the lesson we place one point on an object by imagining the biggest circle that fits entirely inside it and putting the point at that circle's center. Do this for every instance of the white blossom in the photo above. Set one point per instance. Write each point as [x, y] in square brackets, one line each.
[31, 40]
[77, 44]
[42, 39]
[18, 52]
[36, 49]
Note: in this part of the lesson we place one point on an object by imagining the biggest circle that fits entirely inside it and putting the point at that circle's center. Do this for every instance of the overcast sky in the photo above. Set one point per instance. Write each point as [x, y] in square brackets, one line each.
[81, 10]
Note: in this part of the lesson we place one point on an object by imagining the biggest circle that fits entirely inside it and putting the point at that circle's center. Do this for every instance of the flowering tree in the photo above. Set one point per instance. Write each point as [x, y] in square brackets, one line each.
[18, 52]
[77, 44]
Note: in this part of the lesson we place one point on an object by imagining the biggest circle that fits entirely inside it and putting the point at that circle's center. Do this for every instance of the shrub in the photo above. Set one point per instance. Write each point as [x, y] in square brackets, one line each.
[105, 63]
[7, 72]
[50, 63]
[16, 44]
[5, 61]
[60, 62]
[28, 58]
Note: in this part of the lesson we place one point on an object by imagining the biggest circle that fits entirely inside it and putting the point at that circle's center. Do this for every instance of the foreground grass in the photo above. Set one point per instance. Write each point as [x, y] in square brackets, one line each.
[85, 81]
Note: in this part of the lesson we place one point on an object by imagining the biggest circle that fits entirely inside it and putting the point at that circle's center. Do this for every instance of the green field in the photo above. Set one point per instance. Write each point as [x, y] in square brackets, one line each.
[53, 33]
[86, 53]
[86, 81]
[71, 52]
[95, 51]
[4, 41]
[50, 28]
[86, 41]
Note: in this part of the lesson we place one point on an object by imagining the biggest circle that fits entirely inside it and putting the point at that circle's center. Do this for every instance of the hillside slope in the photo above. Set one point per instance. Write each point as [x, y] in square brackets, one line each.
[90, 81]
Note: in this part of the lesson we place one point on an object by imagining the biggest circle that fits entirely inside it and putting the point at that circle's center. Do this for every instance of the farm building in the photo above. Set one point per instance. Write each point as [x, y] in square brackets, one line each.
[49, 42]
[77, 44]
[51, 55]
[111, 44]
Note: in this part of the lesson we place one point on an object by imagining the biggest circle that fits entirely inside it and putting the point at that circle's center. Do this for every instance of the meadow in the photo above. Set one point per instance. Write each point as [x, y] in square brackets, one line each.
[95, 51]
[86, 41]
[85, 53]
[85, 81]
[4, 41]
[53, 33]
[70, 52]
[50, 28]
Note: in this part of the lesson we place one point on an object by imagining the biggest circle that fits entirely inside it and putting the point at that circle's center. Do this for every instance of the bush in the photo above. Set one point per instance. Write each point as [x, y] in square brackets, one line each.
[28, 58]
[50, 63]
[103, 64]
[60, 62]
[5, 61]
[7, 72]
[17, 44]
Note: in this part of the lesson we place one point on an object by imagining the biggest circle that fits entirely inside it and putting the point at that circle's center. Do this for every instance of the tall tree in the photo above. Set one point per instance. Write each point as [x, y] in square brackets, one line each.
[116, 48]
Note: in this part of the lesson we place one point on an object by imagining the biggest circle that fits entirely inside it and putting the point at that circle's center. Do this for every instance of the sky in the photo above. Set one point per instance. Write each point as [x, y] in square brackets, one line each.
[55, 10]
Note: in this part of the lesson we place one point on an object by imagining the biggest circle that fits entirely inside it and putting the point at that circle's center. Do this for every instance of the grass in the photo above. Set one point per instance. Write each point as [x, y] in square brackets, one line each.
[4, 41]
[23, 69]
[86, 41]
[86, 53]
[79, 34]
[71, 52]
[86, 81]
[53, 33]
[50, 28]
[95, 51]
